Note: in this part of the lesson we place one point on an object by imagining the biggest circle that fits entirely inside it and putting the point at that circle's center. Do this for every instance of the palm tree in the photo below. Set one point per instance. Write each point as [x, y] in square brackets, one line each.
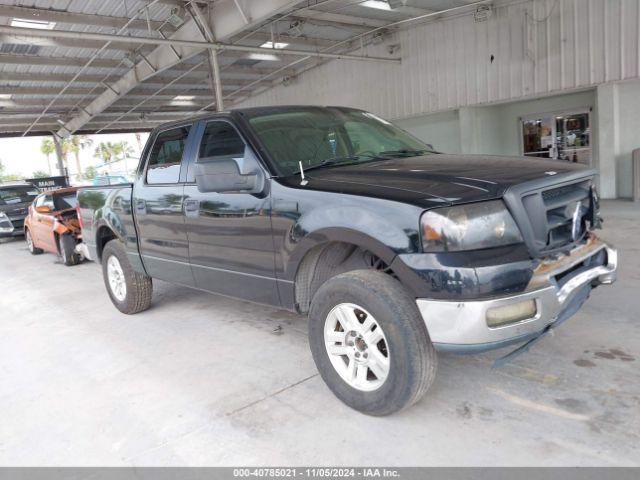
[121, 151]
[47, 147]
[104, 151]
[79, 142]
[124, 151]
[65, 148]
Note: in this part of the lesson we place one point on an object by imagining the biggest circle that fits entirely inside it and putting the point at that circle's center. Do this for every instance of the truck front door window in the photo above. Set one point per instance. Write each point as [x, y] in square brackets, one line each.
[166, 156]
[220, 142]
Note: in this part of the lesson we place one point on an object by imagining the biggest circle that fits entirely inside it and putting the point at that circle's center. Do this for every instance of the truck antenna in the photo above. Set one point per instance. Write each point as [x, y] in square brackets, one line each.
[303, 181]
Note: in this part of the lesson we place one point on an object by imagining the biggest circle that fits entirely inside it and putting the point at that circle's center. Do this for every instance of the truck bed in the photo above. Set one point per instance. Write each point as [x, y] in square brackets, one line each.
[105, 211]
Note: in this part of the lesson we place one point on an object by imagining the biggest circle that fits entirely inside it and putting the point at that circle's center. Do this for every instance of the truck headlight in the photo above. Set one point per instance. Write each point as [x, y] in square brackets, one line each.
[468, 227]
[5, 224]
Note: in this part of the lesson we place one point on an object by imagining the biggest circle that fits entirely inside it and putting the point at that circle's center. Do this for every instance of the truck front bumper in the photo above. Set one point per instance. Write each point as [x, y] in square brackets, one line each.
[558, 288]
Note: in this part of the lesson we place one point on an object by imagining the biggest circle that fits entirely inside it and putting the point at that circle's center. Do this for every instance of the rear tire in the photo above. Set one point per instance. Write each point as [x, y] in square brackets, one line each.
[30, 245]
[375, 316]
[130, 291]
[67, 246]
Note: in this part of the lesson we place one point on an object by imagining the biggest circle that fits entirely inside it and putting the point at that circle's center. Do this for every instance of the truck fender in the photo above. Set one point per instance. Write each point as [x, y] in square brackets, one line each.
[343, 224]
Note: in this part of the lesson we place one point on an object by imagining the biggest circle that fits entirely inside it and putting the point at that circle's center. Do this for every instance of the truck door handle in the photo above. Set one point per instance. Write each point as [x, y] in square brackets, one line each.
[191, 205]
[140, 204]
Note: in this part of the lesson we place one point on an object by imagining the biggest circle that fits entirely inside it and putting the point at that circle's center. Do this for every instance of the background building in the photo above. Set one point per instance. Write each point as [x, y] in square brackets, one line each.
[540, 78]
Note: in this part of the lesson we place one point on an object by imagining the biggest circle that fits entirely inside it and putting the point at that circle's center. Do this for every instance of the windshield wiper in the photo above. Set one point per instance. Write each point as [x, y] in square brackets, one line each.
[403, 153]
[333, 161]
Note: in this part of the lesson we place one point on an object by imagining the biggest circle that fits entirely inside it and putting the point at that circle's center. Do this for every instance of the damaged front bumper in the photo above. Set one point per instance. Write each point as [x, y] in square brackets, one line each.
[557, 289]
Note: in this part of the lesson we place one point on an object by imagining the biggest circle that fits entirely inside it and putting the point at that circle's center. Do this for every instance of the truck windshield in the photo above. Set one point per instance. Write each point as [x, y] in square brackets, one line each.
[18, 194]
[330, 136]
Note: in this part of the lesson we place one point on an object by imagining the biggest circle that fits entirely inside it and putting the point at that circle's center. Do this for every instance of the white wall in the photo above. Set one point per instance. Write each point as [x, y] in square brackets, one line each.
[442, 130]
[620, 131]
[493, 129]
[628, 134]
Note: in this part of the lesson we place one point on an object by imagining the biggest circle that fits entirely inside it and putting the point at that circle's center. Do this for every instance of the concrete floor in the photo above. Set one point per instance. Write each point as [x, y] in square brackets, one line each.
[202, 380]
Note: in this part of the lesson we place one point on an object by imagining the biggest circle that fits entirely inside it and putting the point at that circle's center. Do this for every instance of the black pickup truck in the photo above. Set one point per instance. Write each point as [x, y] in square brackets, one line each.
[394, 251]
[15, 199]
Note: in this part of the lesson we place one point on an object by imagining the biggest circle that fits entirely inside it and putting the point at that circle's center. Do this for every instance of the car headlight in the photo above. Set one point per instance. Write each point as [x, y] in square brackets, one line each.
[468, 227]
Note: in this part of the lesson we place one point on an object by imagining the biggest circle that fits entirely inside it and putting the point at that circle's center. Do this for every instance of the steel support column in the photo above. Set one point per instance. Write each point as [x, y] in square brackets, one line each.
[56, 143]
[214, 67]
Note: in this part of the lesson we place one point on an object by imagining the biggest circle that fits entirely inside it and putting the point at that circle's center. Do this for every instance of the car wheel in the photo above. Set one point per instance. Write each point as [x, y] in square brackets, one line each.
[67, 246]
[30, 245]
[370, 343]
[130, 291]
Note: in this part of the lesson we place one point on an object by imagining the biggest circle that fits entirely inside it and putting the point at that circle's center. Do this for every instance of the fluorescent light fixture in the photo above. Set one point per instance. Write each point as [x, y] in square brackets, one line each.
[263, 56]
[183, 100]
[28, 23]
[276, 45]
[379, 4]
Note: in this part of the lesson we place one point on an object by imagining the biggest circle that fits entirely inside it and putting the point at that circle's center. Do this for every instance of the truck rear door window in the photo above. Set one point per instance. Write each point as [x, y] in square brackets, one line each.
[166, 156]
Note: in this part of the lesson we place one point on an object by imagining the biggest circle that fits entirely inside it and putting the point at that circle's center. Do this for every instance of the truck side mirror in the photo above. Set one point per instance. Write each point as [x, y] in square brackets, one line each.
[224, 175]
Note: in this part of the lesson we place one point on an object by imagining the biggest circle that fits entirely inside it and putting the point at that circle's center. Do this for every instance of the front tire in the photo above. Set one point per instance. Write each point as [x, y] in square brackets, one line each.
[30, 245]
[370, 343]
[130, 291]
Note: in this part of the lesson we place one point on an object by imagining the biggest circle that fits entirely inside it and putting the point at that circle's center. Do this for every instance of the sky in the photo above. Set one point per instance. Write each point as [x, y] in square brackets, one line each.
[22, 156]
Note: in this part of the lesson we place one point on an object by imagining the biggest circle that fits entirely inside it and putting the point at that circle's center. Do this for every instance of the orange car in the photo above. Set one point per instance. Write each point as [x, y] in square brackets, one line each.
[52, 225]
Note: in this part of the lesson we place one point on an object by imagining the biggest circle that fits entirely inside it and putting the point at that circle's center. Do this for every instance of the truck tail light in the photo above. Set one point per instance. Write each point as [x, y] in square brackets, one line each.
[79, 214]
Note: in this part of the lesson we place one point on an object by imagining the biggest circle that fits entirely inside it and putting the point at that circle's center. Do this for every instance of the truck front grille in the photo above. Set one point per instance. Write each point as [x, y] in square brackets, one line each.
[552, 216]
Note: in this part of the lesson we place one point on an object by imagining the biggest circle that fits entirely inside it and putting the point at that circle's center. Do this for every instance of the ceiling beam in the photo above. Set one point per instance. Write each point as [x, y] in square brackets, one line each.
[195, 45]
[185, 42]
[193, 80]
[340, 19]
[41, 133]
[227, 20]
[162, 58]
[37, 60]
[31, 109]
[12, 59]
[66, 42]
[133, 93]
[20, 117]
[59, 16]
[44, 122]
[261, 37]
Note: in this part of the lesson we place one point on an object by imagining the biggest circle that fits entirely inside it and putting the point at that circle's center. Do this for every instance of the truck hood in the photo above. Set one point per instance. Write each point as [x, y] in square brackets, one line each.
[15, 209]
[433, 179]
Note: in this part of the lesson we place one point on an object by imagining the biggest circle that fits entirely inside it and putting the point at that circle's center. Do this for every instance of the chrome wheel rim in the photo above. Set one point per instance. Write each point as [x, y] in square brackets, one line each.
[117, 283]
[357, 347]
[29, 241]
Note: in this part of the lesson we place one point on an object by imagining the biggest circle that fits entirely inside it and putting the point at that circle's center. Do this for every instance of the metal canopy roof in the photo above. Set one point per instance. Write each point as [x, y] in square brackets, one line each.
[69, 66]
